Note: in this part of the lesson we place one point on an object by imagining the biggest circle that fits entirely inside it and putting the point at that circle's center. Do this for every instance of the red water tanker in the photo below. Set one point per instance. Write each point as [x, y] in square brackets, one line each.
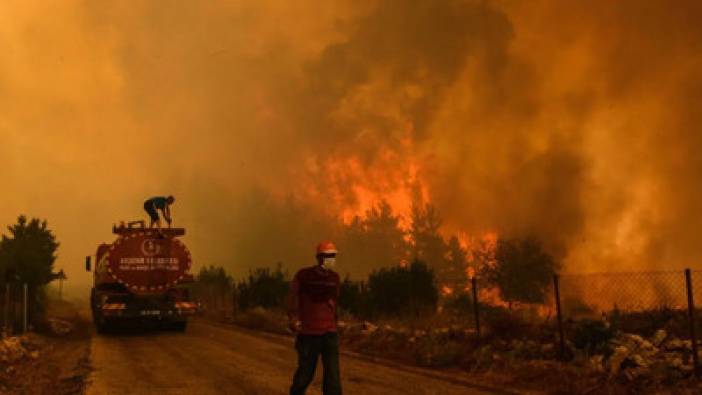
[142, 276]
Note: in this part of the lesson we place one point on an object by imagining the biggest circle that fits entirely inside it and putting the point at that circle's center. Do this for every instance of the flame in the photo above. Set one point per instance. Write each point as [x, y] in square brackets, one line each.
[492, 297]
[373, 186]
[480, 251]
[446, 290]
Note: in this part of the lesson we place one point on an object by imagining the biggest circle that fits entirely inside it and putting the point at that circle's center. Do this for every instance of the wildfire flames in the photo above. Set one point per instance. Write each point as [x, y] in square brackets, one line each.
[561, 120]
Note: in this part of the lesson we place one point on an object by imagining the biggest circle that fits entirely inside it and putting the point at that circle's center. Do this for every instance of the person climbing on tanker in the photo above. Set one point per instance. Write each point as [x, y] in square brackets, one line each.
[159, 203]
[312, 313]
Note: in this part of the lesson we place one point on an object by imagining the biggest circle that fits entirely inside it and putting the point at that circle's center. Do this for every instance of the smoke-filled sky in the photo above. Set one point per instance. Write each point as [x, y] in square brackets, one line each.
[577, 122]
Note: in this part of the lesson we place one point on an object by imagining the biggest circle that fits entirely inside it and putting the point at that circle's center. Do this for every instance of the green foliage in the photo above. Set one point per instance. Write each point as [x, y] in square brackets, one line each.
[214, 277]
[352, 296]
[427, 243]
[461, 302]
[214, 287]
[28, 254]
[263, 288]
[523, 271]
[401, 290]
[592, 335]
[374, 241]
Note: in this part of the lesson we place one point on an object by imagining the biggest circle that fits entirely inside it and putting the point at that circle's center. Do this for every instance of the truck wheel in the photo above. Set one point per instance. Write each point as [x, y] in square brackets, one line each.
[100, 325]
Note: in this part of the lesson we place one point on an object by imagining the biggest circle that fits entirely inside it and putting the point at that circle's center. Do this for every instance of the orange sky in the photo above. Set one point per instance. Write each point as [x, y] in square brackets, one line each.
[579, 124]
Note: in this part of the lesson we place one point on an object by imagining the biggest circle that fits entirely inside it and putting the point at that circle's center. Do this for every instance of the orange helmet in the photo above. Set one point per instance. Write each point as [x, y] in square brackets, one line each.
[326, 247]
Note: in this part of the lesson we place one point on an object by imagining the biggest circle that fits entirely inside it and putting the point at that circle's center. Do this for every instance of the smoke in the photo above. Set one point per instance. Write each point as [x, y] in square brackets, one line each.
[576, 123]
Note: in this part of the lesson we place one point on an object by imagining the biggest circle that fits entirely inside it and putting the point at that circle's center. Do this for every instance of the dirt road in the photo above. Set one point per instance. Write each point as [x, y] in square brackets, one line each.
[214, 359]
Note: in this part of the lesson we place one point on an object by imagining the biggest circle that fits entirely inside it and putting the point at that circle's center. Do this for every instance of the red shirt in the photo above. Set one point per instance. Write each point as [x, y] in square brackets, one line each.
[314, 295]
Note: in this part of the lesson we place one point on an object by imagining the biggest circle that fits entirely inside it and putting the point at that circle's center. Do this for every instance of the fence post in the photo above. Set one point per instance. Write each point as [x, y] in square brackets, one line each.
[691, 320]
[559, 316]
[25, 308]
[6, 311]
[476, 308]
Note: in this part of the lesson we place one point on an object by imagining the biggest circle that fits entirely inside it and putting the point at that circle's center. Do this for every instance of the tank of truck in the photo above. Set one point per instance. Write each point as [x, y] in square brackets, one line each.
[141, 276]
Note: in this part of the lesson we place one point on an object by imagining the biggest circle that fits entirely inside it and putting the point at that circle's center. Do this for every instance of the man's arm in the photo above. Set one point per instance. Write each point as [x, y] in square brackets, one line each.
[167, 213]
[336, 302]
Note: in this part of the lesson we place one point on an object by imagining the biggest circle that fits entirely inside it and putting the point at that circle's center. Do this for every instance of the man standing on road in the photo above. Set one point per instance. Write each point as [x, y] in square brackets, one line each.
[312, 304]
[159, 203]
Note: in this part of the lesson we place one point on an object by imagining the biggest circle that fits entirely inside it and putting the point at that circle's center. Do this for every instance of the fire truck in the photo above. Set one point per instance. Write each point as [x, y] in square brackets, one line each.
[142, 277]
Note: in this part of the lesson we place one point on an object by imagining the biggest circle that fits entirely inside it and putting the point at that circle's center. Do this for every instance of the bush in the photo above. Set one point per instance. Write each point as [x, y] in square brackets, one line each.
[352, 296]
[460, 302]
[523, 271]
[402, 290]
[214, 287]
[504, 323]
[592, 336]
[436, 351]
[263, 288]
[647, 322]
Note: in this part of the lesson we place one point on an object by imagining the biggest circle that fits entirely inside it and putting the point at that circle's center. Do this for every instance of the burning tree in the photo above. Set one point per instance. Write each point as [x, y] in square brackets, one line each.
[522, 270]
[449, 260]
[376, 240]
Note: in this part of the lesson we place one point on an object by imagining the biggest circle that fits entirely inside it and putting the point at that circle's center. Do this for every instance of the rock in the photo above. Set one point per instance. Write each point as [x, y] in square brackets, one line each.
[677, 345]
[636, 339]
[673, 360]
[659, 337]
[60, 327]
[34, 355]
[615, 361]
[596, 363]
[640, 361]
[11, 349]
[547, 350]
[638, 372]
[368, 328]
[647, 345]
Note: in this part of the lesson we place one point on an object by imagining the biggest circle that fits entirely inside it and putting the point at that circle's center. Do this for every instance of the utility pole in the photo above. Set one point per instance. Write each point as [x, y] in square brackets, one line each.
[10, 301]
[25, 309]
[61, 275]
[6, 319]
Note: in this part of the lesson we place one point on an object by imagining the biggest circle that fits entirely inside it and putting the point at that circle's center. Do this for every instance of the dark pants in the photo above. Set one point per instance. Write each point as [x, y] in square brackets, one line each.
[151, 210]
[309, 347]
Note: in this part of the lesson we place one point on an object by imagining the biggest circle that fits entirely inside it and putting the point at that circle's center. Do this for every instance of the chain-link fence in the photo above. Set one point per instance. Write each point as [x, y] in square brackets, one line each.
[639, 301]
[586, 295]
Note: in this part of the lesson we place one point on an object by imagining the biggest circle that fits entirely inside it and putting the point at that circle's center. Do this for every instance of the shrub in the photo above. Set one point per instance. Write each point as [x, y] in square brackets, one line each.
[504, 323]
[592, 335]
[263, 288]
[402, 290]
[523, 271]
[436, 351]
[352, 296]
[461, 302]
